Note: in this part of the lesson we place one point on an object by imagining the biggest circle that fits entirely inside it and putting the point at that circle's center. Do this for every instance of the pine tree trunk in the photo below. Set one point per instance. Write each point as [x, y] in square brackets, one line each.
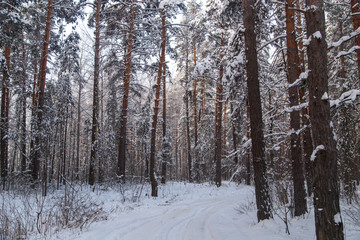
[328, 220]
[23, 118]
[35, 160]
[356, 25]
[77, 169]
[187, 113]
[4, 120]
[153, 181]
[95, 113]
[257, 136]
[125, 101]
[218, 122]
[164, 161]
[196, 161]
[306, 134]
[248, 151]
[295, 148]
[234, 117]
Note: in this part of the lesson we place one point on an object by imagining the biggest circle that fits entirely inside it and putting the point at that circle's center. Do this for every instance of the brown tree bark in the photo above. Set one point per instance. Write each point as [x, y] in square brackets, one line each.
[248, 151]
[77, 164]
[306, 134]
[4, 120]
[196, 170]
[328, 220]
[295, 146]
[187, 115]
[39, 100]
[153, 181]
[234, 117]
[257, 136]
[163, 162]
[23, 153]
[356, 24]
[218, 122]
[95, 107]
[125, 102]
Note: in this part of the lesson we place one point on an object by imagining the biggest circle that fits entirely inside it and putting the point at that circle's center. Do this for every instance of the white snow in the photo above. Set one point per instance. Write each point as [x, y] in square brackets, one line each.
[325, 96]
[344, 53]
[317, 35]
[344, 39]
[307, 41]
[313, 155]
[185, 211]
[337, 218]
[347, 97]
[302, 76]
[164, 3]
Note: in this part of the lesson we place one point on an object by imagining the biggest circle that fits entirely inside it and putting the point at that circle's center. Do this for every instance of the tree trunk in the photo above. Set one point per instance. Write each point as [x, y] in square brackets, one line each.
[234, 117]
[306, 134]
[154, 184]
[293, 72]
[125, 102]
[187, 113]
[95, 115]
[77, 169]
[4, 120]
[196, 173]
[248, 151]
[164, 161]
[356, 25]
[257, 136]
[328, 220]
[23, 154]
[35, 160]
[218, 122]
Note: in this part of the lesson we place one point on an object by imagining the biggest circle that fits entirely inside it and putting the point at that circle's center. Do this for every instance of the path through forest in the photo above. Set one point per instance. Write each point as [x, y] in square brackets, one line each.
[194, 212]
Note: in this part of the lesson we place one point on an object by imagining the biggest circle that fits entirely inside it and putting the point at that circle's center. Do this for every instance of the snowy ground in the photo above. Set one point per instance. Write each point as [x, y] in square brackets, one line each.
[189, 211]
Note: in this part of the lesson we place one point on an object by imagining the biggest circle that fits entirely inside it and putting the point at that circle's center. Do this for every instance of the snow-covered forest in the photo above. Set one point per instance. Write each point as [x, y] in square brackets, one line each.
[180, 119]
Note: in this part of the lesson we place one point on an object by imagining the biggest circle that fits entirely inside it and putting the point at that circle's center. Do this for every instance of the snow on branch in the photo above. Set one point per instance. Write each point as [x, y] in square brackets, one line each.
[344, 39]
[347, 97]
[271, 41]
[164, 3]
[297, 82]
[344, 53]
[317, 149]
[296, 107]
[316, 34]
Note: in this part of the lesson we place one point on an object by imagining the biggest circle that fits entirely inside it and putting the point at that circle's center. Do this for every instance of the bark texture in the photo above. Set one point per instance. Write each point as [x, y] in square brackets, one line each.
[4, 120]
[295, 148]
[263, 202]
[356, 25]
[328, 220]
[39, 99]
[153, 181]
[95, 113]
[218, 122]
[125, 102]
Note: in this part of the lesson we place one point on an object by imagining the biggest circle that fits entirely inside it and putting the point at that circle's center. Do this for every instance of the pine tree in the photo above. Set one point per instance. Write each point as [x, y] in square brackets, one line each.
[95, 107]
[328, 220]
[263, 202]
[125, 102]
[295, 148]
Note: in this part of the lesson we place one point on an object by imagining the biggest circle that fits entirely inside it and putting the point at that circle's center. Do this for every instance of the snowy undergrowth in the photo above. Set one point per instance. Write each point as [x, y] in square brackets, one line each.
[79, 211]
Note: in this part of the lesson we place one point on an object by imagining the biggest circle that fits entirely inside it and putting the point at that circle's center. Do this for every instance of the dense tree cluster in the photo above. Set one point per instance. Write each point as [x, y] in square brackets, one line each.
[265, 92]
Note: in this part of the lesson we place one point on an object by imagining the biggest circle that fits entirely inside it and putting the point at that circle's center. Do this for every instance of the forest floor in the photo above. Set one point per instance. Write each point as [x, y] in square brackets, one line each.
[193, 212]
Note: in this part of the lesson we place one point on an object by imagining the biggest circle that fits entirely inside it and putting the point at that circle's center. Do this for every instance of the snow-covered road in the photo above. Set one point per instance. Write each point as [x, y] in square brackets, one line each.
[191, 212]
[206, 217]
[199, 219]
[207, 213]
